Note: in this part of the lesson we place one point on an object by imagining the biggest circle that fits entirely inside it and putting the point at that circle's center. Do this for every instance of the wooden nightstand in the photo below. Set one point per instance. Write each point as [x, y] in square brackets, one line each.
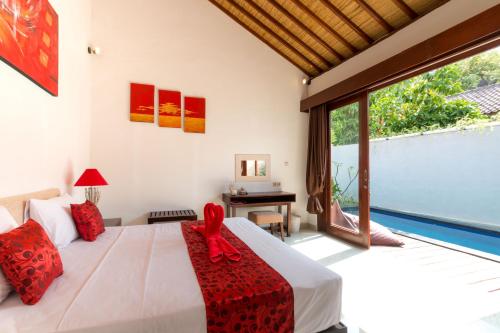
[115, 222]
[172, 216]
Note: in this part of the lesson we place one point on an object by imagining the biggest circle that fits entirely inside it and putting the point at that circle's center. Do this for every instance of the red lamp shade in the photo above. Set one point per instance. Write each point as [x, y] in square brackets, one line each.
[91, 177]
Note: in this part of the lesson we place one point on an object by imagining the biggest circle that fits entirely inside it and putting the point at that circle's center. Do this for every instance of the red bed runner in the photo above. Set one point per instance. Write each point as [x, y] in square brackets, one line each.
[244, 296]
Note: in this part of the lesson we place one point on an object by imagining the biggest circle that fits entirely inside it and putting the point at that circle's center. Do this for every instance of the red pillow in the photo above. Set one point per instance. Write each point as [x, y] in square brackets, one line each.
[29, 261]
[88, 220]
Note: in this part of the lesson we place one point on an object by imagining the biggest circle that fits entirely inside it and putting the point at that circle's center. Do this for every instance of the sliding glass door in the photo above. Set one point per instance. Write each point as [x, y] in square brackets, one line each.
[348, 214]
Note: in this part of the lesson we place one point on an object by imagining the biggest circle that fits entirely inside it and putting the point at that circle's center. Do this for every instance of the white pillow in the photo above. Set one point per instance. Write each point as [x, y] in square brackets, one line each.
[7, 223]
[54, 215]
[5, 288]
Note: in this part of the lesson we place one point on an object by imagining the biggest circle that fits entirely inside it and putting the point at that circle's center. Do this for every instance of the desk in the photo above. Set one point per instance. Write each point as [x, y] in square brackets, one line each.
[260, 199]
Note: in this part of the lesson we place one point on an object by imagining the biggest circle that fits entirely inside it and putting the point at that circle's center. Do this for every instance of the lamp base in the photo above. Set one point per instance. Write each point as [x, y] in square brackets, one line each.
[92, 194]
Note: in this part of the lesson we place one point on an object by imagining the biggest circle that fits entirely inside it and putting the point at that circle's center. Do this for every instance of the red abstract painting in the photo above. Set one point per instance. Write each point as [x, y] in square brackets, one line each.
[29, 40]
[194, 115]
[142, 102]
[169, 108]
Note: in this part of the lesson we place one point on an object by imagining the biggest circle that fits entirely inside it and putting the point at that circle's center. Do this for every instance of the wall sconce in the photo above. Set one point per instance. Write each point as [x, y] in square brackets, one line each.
[306, 81]
[93, 50]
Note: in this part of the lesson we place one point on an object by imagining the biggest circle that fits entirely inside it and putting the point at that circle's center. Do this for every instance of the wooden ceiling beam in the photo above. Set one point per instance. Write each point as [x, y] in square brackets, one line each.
[305, 28]
[274, 35]
[253, 32]
[345, 19]
[405, 9]
[284, 29]
[323, 24]
[474, 35]
[375, 15]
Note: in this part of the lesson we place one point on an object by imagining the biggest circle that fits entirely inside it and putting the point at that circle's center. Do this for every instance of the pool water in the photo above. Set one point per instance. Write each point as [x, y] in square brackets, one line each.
[477, 239]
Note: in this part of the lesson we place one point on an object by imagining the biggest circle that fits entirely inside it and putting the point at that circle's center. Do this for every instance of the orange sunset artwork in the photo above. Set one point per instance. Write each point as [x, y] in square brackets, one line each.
[194, 115]
[142, 102]
[169, 108]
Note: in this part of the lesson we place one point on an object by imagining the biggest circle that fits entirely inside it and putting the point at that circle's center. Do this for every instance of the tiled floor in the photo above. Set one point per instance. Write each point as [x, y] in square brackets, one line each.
[418, 288]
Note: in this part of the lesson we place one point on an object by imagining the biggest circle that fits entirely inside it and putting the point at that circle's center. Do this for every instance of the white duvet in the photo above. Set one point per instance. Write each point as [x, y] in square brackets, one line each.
[140, 279]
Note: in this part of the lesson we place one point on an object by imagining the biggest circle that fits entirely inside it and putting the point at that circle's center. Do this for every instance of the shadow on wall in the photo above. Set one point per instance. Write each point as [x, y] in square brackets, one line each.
[69, 177]
[141, 219]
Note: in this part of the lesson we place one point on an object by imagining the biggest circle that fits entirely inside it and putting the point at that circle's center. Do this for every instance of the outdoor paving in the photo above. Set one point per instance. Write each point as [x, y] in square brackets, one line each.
[418, 288]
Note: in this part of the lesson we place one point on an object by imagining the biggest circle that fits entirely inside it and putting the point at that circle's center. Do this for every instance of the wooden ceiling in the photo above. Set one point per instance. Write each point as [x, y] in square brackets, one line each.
[317, 35]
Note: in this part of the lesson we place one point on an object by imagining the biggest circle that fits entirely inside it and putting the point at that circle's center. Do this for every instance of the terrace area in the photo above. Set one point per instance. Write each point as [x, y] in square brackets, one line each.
[433, 180]
[421, 287]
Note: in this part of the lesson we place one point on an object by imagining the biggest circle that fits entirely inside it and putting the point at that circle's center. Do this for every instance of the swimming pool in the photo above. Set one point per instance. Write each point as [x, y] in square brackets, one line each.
[473, 238]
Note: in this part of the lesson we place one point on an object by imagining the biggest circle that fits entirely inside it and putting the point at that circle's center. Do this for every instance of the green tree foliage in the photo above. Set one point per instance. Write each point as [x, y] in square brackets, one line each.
[419, 104]
[480, 70]
[344, 125]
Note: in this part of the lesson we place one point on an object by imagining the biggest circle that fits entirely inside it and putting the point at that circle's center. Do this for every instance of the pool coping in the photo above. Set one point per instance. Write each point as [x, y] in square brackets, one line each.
[478, 227]
[450, 246]
[437, 221]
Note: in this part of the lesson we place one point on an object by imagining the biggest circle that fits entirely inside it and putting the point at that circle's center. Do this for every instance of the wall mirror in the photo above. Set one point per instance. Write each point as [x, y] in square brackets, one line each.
[252, 167]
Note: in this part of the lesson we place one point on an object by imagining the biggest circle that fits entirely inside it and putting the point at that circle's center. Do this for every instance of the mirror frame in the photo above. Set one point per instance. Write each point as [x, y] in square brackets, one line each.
[260, 157]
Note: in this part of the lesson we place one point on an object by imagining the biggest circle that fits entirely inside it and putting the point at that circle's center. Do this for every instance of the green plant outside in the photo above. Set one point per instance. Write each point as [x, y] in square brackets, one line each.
[419, 104]
[415, 105]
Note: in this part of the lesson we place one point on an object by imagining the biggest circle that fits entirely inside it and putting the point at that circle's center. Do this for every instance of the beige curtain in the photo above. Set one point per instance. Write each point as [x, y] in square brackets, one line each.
[317, 157]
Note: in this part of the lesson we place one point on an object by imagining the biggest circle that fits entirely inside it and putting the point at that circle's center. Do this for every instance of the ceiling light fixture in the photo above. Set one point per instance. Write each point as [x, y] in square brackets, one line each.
[306, 81]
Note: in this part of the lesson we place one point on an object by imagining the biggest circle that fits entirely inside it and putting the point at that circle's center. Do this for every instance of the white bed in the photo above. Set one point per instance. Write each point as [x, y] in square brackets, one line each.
[140, 279]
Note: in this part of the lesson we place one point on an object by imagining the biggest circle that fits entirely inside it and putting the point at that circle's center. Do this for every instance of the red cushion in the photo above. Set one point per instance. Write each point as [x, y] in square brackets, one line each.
[88, 220]
[29, 261]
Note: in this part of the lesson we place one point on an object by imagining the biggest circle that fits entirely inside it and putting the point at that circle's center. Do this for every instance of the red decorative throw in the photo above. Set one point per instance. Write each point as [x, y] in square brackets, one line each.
[218, 246]
[243, 296]
[29, 261]
[88, 220]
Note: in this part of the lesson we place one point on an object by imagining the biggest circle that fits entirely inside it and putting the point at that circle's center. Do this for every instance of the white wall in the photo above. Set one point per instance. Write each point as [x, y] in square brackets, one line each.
[44, 139]
[448, 174]
[437, 21]
[252, 103]
[252, 106]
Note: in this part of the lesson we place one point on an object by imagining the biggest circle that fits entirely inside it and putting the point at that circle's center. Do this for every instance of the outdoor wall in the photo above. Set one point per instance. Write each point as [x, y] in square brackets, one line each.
[252, 96]
[449, 174]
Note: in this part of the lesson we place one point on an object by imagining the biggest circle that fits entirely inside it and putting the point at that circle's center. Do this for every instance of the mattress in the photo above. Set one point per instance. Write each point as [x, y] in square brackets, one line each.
[140, 279]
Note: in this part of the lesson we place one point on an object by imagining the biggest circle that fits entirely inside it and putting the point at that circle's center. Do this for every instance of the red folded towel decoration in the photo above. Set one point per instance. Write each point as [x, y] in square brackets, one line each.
[218, 246]
[240, 296]
[230, 252]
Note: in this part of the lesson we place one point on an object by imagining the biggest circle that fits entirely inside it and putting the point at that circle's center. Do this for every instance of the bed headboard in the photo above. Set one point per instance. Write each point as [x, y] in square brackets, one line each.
[16, 204]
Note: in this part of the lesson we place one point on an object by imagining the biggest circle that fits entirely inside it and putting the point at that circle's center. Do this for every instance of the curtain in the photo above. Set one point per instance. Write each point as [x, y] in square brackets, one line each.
[317, 157]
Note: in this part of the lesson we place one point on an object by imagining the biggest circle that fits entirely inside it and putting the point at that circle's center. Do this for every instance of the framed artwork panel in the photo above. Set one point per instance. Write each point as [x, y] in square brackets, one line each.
[194, 114]
[169, 104]
[142, 102]
[29, 41]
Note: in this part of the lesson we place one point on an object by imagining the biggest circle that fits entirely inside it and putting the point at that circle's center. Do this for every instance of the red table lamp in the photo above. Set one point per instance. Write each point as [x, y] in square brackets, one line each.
[91, 178]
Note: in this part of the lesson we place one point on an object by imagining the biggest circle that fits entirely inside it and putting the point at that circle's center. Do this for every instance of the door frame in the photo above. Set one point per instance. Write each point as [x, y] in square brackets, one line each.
[362, 237]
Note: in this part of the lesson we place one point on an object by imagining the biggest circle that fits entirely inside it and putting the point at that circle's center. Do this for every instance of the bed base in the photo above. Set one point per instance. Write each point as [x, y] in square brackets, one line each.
[338, 328]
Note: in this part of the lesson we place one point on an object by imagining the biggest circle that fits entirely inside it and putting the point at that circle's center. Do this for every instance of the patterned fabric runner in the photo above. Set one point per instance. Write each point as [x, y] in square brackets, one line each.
[244, 296]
